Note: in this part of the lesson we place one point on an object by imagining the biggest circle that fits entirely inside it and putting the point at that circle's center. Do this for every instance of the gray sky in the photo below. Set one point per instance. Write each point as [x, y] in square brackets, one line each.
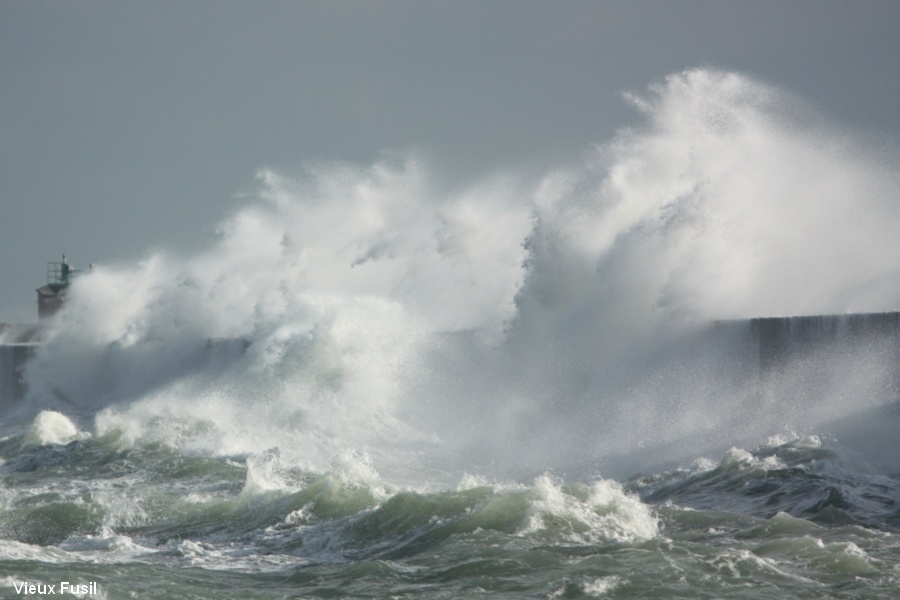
[126, 126]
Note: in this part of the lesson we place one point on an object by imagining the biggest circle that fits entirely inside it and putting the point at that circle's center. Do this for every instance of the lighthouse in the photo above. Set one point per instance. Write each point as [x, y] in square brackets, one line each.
[52, 295]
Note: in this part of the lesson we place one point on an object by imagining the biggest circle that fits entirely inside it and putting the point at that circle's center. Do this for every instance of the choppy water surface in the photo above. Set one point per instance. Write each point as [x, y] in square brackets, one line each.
[790, 520]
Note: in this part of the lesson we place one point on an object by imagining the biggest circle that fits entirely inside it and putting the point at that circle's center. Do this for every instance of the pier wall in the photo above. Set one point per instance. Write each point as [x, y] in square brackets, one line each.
[12, 360]
[805, 355]
[18, 344]
[854, 356]
[780, 340]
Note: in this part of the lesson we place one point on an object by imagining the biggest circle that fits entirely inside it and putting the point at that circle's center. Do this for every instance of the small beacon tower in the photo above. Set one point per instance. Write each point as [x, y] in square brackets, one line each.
[51, 297]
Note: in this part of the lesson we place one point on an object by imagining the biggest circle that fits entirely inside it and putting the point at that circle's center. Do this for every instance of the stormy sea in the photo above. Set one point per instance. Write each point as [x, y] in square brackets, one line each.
[668, 369]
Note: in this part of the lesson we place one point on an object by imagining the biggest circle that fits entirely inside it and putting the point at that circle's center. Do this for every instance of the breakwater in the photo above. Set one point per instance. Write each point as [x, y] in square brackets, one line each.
[18, 344]
[810, 352]
[781, 340]
[805, 358]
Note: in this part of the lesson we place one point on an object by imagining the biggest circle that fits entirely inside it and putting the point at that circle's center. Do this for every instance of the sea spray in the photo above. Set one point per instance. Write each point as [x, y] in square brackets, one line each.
[514, 324]
[716, 208]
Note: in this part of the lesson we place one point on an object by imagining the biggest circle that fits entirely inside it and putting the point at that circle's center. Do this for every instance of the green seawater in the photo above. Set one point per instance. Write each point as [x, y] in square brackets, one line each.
[148, 521]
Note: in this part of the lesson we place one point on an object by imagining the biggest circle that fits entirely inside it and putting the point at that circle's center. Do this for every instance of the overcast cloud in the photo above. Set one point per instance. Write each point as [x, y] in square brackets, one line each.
[128, 126]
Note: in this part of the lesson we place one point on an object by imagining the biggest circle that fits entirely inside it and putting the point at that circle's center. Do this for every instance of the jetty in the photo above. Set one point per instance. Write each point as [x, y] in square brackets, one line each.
[815, 350]
[781, 340]
[20, 341]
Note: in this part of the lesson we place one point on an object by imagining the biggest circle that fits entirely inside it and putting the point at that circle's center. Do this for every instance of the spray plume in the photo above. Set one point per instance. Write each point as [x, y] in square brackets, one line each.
[531, 321]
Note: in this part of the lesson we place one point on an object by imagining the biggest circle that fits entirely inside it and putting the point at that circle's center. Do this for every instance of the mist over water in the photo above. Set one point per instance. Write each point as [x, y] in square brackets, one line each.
[514, 325]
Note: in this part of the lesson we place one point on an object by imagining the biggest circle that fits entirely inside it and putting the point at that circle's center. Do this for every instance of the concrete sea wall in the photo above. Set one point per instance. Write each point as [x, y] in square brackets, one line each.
[780, 340]
[814, 354]
[12, 359]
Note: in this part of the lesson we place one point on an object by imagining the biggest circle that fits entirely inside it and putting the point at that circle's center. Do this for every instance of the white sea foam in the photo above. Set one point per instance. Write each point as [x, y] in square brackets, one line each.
[51, 427]
[602, 512]
[602, 585]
